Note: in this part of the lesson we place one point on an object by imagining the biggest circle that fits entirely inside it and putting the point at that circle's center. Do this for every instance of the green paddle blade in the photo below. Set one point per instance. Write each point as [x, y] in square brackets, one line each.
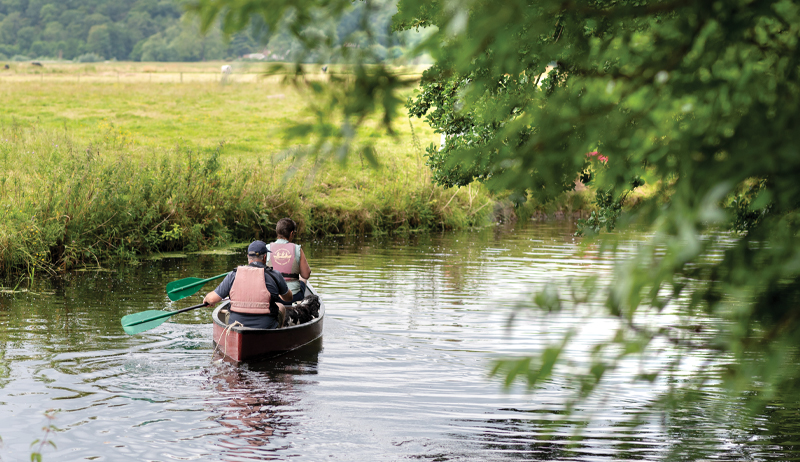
[146, 320]
[182, 288]
[140, 322]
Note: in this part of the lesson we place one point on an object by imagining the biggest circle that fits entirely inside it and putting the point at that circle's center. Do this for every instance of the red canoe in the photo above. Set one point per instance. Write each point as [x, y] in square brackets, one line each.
[242, 343]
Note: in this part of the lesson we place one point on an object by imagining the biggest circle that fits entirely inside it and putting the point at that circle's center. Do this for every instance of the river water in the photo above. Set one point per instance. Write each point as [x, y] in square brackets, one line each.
[401, 372]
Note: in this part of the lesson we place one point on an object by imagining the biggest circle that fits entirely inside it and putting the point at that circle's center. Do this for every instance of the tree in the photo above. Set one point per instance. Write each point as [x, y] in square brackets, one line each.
[26, 36]
[188, 44]
[99, 41]
[140, 24]
[40, 48]
[53, 32]
[9, 27]
[698, 98]
[50, 12]
[156, 48]
[241, 44]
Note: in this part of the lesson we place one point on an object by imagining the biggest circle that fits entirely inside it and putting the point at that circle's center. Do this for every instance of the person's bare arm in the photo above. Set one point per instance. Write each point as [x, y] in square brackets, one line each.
[287, 297]
[305, 270]
[212, 298]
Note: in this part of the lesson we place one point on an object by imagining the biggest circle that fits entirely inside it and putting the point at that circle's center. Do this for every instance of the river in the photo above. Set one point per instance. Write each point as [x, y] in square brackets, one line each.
[401, 372]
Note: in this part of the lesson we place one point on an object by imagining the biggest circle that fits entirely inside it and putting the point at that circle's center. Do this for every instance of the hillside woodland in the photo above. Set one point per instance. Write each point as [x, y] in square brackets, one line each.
[160, 30]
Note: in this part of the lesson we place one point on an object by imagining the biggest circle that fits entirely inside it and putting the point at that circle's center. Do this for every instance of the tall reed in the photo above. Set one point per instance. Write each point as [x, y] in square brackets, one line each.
[65, 204]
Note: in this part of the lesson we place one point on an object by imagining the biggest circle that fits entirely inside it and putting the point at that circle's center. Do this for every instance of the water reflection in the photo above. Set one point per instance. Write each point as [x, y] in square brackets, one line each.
[547, 435]
[260, 400]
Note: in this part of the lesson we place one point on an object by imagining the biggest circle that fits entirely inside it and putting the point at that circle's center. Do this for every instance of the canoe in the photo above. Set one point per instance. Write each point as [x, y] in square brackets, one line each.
[243, 343]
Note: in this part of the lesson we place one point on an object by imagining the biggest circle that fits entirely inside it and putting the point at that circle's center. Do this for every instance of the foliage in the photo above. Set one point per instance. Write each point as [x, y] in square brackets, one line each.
[749, 205]
[608, 208]
[153, 30]
[66, 204]
[39, 443]
[698, 97]
[74, 28]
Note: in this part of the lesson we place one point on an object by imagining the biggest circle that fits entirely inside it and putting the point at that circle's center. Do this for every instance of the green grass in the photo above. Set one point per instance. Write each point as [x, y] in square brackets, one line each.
[99, 170]
[249, 114]
[248, 117]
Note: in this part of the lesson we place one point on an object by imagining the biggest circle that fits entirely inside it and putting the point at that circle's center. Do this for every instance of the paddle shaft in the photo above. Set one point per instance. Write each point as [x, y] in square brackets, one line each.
[166, 315]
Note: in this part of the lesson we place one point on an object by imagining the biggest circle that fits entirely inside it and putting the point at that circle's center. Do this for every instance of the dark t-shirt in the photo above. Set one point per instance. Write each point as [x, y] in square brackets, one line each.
[275, 291]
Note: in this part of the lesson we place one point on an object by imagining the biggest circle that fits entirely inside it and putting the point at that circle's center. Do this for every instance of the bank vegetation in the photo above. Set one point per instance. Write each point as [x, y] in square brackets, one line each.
[65, 203]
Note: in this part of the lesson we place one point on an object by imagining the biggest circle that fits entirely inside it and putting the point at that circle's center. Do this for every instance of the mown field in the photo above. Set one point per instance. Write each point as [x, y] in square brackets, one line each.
[100, 167]
[148, 103]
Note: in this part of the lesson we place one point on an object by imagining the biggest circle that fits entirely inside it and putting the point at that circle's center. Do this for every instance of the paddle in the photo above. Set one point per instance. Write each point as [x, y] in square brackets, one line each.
[146, 320]
[182, 288]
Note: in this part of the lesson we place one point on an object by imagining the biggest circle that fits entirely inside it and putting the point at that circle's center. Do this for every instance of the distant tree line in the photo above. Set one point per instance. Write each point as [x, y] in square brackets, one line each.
[160, 30]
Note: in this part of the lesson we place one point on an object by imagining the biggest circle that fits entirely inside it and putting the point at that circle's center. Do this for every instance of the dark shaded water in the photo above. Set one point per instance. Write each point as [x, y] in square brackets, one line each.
[400, 373]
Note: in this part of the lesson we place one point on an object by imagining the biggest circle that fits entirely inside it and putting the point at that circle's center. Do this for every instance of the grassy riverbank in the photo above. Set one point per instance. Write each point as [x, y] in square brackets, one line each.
[67, 203]
[102, 170]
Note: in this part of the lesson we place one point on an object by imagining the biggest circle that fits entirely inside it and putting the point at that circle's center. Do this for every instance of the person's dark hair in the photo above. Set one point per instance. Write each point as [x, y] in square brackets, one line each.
[285, 227]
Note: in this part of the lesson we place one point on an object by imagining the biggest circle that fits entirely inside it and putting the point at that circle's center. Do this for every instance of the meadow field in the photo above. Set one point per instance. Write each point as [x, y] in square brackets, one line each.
[248, 111]
[102, 162]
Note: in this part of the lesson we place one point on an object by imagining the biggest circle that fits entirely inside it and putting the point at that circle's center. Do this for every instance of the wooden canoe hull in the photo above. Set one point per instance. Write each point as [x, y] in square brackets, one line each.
[243, 343]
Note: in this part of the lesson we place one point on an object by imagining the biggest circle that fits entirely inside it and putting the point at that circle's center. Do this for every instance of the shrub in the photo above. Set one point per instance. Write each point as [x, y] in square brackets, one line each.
[89, 58]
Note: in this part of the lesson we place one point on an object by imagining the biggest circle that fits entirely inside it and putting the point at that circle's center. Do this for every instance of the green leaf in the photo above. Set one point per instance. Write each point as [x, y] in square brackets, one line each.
[548, 299]
[762, 200]
[369, 153]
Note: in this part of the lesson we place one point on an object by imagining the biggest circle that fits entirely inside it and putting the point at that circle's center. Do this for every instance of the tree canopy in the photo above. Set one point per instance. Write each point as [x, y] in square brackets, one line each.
[695, 101]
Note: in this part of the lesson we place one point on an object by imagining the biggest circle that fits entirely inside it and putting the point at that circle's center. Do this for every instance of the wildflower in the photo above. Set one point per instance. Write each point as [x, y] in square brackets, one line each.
[599, 156]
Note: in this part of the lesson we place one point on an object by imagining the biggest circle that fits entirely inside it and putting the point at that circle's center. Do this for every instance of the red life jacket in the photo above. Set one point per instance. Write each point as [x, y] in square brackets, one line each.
[249, 292]
[282, 257]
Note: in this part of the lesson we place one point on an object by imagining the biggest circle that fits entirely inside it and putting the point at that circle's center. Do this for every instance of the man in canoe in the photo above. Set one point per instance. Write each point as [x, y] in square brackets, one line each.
[288, 258]
[254, 290]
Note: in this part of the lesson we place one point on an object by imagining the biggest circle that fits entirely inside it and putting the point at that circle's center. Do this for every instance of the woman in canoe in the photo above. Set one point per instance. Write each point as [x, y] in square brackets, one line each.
[288, 258]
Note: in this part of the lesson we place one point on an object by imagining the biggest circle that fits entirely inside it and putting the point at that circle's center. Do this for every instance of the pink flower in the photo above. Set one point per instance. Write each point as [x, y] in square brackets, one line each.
[599, 156]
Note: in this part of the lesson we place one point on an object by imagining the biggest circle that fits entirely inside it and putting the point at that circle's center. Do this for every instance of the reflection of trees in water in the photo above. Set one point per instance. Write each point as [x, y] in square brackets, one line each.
[533, 438]
[554, 435]
[777, 432]
[770, 435]
[5, 368]
[261, 398]
[680, 435]
[434, 264]
[82, 309]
